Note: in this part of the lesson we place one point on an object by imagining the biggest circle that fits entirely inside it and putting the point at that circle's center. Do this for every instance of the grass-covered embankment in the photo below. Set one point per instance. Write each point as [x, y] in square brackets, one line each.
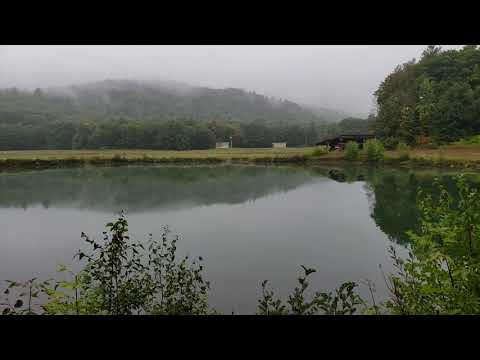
[63, 158]
[452, 156]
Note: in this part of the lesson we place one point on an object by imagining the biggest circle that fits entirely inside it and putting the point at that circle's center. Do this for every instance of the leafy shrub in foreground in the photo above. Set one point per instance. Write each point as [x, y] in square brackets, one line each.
[351, 150]
[403, 150]
[121, 277]
[320, 150]
[343, 301]
[391, 143]
[442, 274]
[472, 141]
[374, 150]
[402, 147]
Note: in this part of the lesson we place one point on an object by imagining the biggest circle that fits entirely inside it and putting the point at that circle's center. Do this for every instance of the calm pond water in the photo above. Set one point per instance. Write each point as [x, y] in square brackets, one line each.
[249, 223]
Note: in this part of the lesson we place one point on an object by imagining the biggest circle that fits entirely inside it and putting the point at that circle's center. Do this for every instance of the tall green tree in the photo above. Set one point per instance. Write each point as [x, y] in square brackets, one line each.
[436, 98]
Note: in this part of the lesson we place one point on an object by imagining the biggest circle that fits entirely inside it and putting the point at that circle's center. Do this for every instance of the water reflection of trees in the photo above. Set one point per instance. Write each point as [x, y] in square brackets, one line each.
[394, 204]
[139, 188]
[392, 195]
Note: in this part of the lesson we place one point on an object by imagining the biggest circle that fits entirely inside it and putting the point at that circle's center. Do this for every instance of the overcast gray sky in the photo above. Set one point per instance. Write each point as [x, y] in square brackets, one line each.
[337, 76]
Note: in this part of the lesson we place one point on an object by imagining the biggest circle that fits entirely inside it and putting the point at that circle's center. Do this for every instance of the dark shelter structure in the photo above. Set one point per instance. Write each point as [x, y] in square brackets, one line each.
[339, 141]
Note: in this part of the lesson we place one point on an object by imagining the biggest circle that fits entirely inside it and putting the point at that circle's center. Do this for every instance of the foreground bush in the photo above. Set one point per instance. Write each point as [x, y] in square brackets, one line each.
[391, 143]
[320, 150]
[121, 277]
[351, 150]
[442, 274]
[402, 147]
[472, 141]
[374, 150]
[343, 301]
[403, 151]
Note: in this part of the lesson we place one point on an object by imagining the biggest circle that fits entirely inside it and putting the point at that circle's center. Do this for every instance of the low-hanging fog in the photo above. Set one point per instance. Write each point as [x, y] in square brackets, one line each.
[340, 77]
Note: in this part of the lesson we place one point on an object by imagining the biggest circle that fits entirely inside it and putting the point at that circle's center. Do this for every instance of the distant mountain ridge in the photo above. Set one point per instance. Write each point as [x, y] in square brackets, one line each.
[170, 99]
[126, 114]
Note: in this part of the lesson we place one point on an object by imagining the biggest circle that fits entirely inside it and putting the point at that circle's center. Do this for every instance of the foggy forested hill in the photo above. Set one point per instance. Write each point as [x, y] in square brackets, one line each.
[150, 101]
[155, 115]
[327, 114]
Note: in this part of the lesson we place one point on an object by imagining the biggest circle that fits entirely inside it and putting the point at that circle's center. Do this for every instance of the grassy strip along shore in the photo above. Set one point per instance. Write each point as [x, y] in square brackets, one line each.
[451, 156]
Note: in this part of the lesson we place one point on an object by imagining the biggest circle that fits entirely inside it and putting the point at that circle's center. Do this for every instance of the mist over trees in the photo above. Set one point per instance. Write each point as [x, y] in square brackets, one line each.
[142, 115]
[150, 101]
[436, 99]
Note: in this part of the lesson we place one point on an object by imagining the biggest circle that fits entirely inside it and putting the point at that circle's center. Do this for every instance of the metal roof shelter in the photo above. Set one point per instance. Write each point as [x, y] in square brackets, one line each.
[340, 140]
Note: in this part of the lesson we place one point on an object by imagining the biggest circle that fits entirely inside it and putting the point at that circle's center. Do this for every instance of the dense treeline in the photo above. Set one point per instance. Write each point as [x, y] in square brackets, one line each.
[165, 135]
[434, 100]
[119, 114]
[352, 125]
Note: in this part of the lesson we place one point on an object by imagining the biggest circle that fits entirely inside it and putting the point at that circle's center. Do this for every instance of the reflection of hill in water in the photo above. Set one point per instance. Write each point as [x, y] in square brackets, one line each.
[391, 193]
[140, 188]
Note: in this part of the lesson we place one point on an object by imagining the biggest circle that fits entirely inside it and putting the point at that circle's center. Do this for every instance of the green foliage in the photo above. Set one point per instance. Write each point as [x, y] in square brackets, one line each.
[436, 97]
[442, 274]
[352, 150]
[71, 296]
[114, 268]
[374, 150]
[402, 147]
[24, 294]
[355, 126]
[179, 287]
[120, 277]
[403, 151]
[473, 141]
[178, 134]
[320, 150]
[391, 143]
[131, 278]
[343, 301]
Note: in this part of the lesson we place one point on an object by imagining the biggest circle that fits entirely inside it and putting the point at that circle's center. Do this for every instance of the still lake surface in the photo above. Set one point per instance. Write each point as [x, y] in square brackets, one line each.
[249, 223]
